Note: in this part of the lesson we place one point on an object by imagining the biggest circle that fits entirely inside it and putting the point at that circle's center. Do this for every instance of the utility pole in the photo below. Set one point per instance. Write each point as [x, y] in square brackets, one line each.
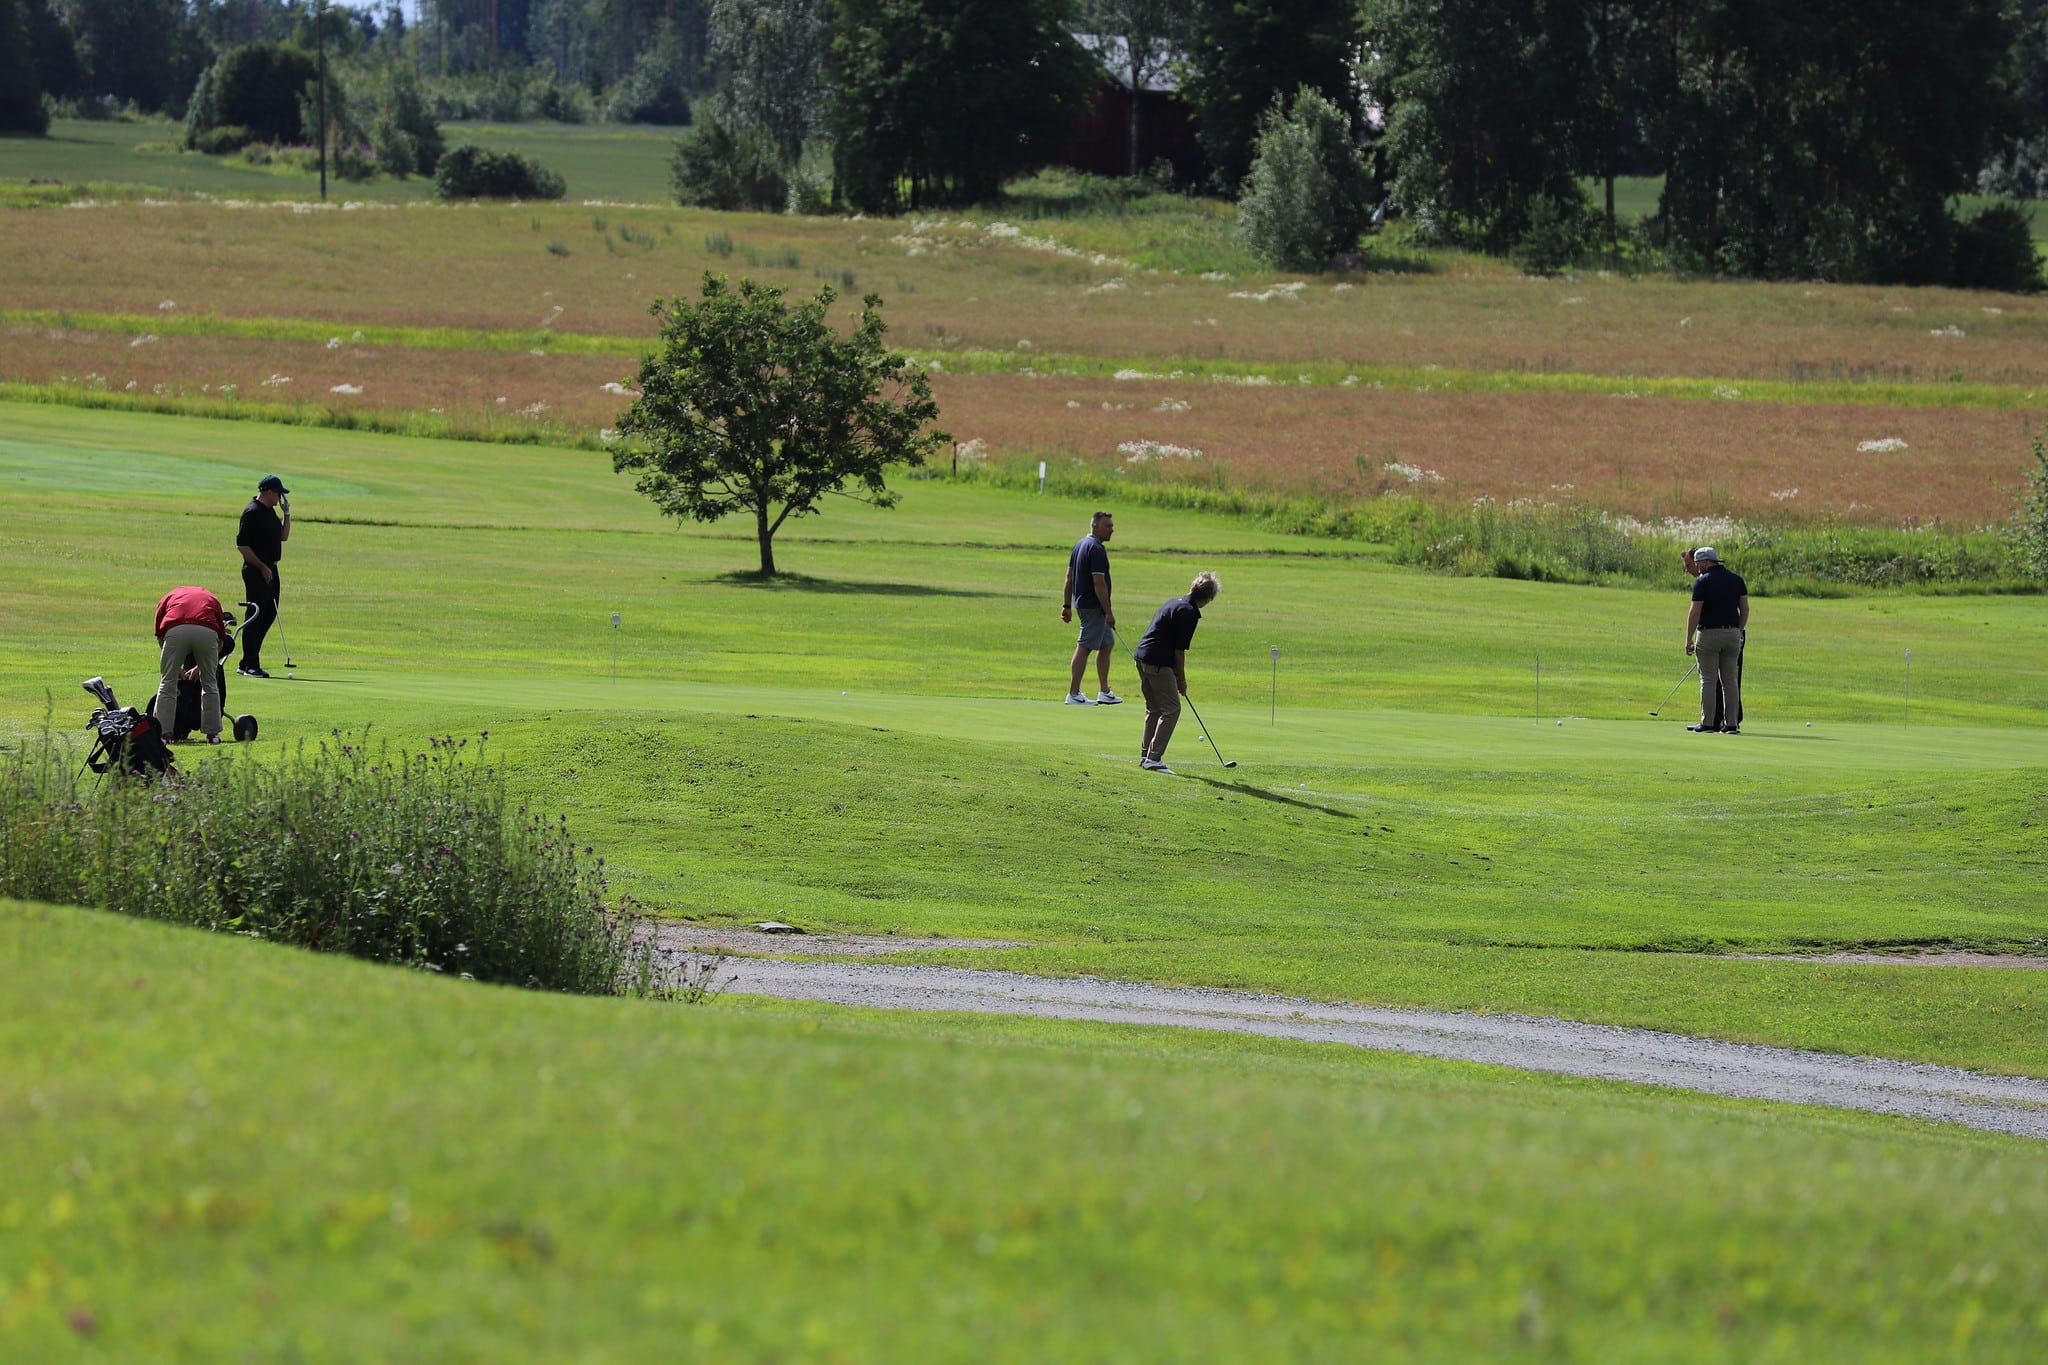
[320, 43]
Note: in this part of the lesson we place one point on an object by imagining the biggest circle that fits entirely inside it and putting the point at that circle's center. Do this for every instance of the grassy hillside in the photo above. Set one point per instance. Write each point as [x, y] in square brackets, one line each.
[221, 1149]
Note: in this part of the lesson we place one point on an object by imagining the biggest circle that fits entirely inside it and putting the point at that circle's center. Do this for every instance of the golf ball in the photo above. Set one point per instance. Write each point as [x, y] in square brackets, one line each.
[1809, 725]
[291, 675]
[842, 694]
[1560, 724]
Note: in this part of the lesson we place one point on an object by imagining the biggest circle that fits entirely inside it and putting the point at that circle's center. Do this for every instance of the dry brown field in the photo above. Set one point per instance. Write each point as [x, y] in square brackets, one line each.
[955, 288]
[489, 267]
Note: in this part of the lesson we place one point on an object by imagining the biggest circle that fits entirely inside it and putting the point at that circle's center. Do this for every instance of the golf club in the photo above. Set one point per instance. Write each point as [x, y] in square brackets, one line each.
[1690, 669]
[1226, 762]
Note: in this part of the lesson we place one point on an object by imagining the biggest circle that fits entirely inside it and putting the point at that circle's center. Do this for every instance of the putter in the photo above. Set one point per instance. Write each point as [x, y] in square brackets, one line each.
[1675, 686]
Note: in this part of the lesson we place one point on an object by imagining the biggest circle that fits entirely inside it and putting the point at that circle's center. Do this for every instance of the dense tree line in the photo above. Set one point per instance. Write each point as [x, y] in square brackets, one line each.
[1794, 137]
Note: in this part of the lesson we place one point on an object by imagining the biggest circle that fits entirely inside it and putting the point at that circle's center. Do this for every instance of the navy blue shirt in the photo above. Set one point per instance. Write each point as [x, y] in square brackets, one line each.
[1089, 557]
[1720, 592]
[1172, 628]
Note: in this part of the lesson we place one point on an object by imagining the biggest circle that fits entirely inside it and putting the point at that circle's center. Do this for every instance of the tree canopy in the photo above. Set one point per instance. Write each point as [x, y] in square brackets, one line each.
[941, 101]
[753, 405]
[1245, 54]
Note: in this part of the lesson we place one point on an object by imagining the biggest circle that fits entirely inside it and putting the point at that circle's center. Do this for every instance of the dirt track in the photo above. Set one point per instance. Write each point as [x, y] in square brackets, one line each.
[2005, 1104]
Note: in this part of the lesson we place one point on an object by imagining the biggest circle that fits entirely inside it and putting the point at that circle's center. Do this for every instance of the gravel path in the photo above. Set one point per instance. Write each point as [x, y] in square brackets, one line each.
[2000, 1103]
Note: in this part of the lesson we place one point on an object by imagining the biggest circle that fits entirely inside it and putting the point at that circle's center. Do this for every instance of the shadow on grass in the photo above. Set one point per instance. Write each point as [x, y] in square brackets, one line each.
[796, 582]
[1242, 789]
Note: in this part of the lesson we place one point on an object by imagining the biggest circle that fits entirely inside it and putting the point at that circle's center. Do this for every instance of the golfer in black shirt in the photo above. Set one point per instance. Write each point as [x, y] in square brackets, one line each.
[1163, 666]
[261, 539]
[1714, 632]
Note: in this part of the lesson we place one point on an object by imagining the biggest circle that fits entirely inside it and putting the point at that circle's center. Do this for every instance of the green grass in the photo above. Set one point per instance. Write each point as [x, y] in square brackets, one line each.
[605, 162]
[220, 1149]
[875, 744]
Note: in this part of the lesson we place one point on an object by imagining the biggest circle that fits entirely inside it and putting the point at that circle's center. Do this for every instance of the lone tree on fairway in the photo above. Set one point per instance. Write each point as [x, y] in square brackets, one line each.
[753, 405]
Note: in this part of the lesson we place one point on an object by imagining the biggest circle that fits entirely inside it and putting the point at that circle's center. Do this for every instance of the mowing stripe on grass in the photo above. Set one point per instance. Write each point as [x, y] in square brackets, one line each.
[1310, 374]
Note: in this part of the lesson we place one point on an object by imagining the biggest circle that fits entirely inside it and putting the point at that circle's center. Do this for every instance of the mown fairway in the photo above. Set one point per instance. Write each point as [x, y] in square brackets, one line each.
[877, 745]
[224, 1148]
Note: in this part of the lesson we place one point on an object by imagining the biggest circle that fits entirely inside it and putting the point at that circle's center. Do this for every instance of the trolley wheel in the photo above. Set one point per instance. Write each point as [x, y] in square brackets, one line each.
[245, 728]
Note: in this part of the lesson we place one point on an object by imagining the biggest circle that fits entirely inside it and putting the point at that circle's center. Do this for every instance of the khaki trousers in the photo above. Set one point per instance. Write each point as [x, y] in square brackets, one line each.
[201, 646]
[1720, 678]
[1161, 687]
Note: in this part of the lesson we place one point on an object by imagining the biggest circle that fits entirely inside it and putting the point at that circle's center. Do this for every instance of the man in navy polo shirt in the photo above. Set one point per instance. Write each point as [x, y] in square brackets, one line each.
[1163, 667]
[260, 537]
[1087, 591]
[1714, 632]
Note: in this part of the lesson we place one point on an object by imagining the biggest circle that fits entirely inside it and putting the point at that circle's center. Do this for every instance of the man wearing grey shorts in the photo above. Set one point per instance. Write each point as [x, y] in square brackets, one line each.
[1087, 592]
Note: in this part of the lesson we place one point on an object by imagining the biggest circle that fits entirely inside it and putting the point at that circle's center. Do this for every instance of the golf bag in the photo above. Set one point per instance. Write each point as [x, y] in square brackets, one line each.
[188, 718]
[125, 740]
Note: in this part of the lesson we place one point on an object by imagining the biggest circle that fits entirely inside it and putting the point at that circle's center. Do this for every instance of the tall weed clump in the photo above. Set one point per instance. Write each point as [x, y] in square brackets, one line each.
[415, 858]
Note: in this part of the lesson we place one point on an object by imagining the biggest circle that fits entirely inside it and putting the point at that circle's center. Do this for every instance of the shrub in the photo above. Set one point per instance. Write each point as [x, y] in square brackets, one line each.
[1995, 250]
[407, 139]
[1554, 241]
[2026, 535]
[418, 859]
[656, 90]
[1308, 196]
[470, 172]
[714, 167]
[223, 140]
[257, 86]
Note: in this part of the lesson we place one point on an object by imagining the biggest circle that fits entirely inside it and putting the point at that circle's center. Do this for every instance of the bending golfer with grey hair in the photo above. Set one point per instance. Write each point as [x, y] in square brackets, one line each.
[1163, 666]
[1714, 632]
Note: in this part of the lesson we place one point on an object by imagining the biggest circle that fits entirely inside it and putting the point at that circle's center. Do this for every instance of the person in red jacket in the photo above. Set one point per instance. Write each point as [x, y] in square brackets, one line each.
[192, 631]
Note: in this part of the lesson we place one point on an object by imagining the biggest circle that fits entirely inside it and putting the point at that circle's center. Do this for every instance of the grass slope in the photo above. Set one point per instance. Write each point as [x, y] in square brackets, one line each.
[221, 1149]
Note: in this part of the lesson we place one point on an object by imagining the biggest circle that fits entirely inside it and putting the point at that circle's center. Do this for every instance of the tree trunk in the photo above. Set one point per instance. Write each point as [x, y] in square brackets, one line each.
[767, 537]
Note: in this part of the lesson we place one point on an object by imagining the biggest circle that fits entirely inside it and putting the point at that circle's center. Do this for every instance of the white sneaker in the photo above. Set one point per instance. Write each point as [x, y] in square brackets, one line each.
[1153, 765]
[1107, 698]
[1076, 699]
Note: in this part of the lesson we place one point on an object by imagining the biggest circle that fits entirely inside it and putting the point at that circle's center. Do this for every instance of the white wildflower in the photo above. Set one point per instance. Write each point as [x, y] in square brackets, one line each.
[1073, 403]
[1140, 452]
[1108, 286]
[334, 343]
[1727, 391]
[1172, 405]
[976, 449]
[1685, 322]
[1023, 344]
[1215, 276]
[1413, 473]
[346, 388]
[1132, 374]
[1781, 494]
[1949, 331]
[166, 306]
[534, 409]
[1994, 312]
[1889, 445]
[276, 381]
[145, 339]
[615, 388]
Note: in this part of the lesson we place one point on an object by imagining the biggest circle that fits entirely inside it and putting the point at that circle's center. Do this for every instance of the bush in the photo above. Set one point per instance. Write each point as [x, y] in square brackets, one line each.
[1995, 250]
[406, 138]
[224, 140]
[418, 859]
[656, 90]
[1554, 241]
[256, 86]
[714, 167]
[470, 172]
[1308, 196]
[2026, 535]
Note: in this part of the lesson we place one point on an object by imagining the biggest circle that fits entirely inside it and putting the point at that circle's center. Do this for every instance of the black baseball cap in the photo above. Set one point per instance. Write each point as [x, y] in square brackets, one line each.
[271, 481]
